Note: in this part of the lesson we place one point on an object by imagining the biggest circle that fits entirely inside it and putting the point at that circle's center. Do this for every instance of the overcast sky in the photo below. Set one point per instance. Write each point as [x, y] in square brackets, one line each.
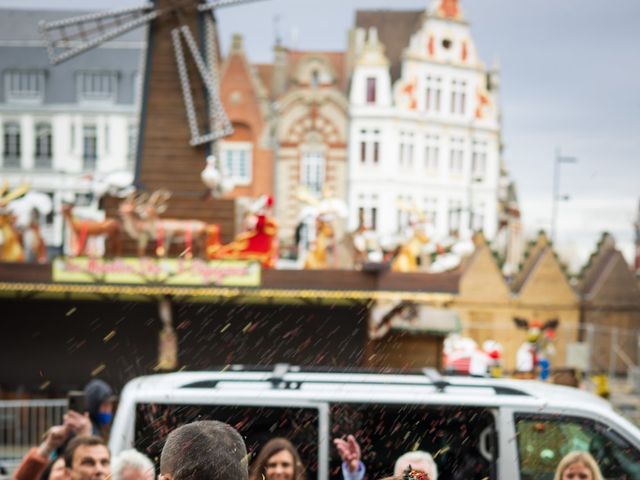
[570, 80]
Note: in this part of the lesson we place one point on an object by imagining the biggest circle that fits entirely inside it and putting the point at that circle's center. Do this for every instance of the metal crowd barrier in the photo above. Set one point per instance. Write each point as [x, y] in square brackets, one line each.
[23, 424]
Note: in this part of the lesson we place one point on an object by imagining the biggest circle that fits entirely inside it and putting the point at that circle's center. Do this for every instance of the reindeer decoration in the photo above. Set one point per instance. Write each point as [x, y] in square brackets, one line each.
[140, 215]
[10, 242]
[82, 230]
[406, 258]
[326, 210]
[537, 349]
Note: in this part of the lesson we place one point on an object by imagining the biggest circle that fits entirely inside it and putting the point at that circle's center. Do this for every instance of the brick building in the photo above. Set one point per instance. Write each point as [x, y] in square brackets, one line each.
[247, 154]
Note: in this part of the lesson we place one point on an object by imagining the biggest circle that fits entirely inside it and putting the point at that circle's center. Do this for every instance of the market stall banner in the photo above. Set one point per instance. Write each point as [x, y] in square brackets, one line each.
[162, 271]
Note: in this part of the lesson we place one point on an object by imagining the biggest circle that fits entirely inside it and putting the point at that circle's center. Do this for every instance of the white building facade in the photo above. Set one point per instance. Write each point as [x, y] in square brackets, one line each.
[425, 124]
[63, 128]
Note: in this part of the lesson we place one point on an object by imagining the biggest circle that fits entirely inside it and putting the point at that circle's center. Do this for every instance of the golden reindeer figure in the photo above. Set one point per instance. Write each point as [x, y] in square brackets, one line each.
[406, 260]
[327, 209]
[10, 243]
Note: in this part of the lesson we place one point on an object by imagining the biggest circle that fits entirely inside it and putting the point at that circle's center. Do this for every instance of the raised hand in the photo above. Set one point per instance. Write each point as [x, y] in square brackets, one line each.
[78, 423]
[54, 439]
[349, 451]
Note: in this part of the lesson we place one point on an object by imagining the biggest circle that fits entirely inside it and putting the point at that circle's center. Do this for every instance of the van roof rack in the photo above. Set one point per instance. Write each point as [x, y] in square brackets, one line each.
[438, 381]
[278, 379]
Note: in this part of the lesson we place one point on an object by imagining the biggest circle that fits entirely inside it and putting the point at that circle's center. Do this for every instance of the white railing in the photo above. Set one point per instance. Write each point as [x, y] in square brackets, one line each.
[23, 423]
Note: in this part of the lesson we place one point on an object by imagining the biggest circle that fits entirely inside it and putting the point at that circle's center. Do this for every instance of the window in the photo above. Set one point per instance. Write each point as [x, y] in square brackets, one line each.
[50, 217]
[12, 139]
[458, 96]
[459, 438]
[456, 156]
[43, 148]
[476, 219]
[406, 149]
[89, 147]
[315, 79]
[256, 423]
[543, 440]
[403, 213]
[313, 171]
[24, 85]
[431, 210]
[368, 211]
[479, 159]
[371, 90]
[237, 161]
[455, 216]
[97, 86]
[132, 144]
[107, 139]
[370, 146]
[432, 153]
[433, 94]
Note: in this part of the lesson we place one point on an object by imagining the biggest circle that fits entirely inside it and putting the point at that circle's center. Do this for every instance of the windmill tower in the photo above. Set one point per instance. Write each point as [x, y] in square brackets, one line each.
[181, 114]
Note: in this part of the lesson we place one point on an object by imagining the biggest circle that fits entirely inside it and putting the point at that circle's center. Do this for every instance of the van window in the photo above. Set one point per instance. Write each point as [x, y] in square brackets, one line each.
[543, 440]
[460, 439]
[256, 424]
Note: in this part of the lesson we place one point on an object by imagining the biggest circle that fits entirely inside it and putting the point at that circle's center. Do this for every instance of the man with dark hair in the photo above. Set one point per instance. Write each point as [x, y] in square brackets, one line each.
[205, 450]
[87, 458]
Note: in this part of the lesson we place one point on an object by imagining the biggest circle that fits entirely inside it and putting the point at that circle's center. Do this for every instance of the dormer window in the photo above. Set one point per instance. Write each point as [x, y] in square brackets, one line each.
[97, 86]
[24, 85]
[371, 90]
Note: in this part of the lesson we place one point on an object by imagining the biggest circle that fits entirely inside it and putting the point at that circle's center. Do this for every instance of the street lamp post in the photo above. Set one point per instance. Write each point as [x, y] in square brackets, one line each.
[556, 189]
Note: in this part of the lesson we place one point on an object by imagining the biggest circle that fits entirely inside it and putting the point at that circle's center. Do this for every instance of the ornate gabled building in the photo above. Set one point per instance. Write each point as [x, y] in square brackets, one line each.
[311, 129]
[425, 123]
[247, 154]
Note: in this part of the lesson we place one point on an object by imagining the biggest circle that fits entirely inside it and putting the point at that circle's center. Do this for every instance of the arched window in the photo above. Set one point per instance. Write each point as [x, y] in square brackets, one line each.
[315, 79]
[313, 170]
[12, 148]
[43, 145]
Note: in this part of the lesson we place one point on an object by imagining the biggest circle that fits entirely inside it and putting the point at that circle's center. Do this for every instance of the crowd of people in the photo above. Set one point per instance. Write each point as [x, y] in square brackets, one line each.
[210, 450]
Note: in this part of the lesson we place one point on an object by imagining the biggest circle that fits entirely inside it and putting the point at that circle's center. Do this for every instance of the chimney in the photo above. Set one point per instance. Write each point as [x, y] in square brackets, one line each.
[280, 71]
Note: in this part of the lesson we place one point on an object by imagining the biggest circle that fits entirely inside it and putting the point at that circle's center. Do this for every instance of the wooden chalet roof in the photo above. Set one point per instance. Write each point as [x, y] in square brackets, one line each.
[607, 276]
[395, 28]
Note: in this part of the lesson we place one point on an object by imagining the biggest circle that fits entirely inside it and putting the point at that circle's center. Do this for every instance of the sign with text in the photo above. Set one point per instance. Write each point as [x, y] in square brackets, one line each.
[157, 271]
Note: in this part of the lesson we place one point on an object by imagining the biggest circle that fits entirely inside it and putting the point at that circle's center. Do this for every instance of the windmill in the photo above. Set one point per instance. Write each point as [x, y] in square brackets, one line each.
[181, 113]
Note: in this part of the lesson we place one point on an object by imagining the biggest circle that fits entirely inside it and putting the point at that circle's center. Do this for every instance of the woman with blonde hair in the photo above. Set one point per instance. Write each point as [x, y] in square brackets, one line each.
[578, 466]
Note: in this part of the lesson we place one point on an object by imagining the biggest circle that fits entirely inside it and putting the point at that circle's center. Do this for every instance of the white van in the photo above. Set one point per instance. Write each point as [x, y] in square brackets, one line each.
[475, 428]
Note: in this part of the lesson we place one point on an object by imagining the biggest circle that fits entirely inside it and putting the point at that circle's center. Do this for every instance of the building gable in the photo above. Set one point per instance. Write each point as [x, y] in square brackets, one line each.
[394, 31]
[481, 280]
[607, 278]
[543, 279]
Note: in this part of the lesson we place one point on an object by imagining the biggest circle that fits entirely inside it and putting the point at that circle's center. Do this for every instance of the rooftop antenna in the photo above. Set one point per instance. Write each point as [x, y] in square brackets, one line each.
[295, 35]
[276, 30]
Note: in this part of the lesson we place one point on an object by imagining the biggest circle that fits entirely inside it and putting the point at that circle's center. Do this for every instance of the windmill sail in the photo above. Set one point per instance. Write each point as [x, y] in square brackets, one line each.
[222, 3]
[221, 126]
[69, 37]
